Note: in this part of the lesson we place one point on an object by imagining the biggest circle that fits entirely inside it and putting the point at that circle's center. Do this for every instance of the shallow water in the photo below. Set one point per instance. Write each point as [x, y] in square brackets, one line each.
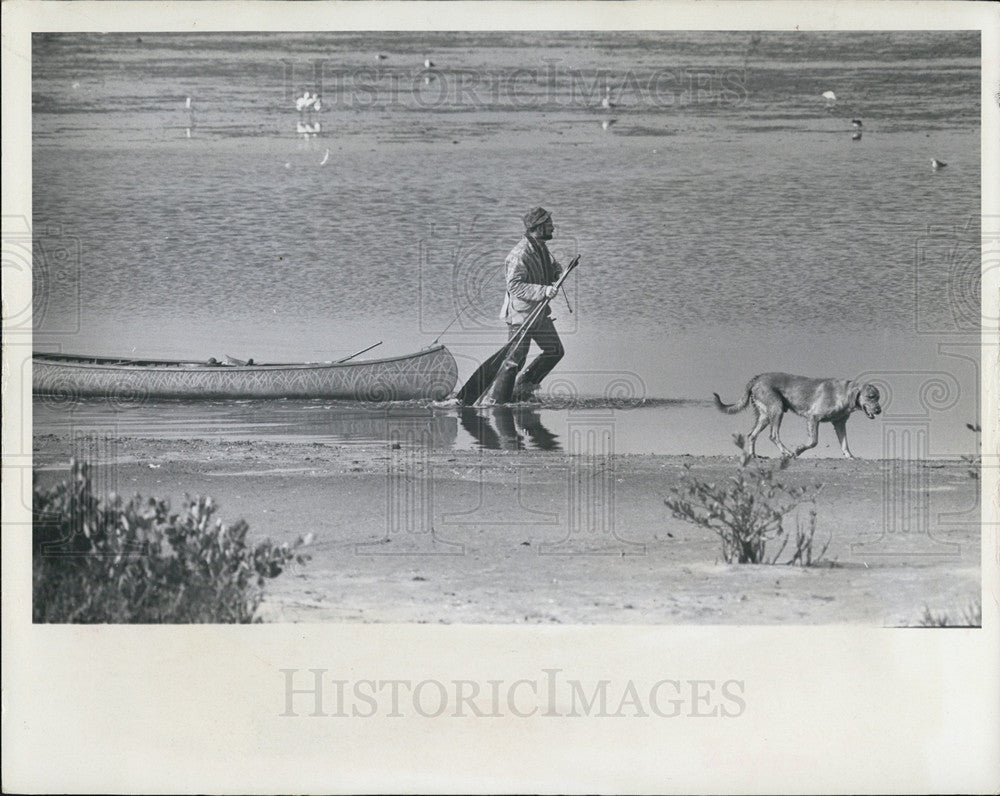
[728, 222]
[590, 427]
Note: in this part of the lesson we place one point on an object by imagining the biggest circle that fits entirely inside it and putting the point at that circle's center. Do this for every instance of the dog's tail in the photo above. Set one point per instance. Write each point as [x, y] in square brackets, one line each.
[732, 409]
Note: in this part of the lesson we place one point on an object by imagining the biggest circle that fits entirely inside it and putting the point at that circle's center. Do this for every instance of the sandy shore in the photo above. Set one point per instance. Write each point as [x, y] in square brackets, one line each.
[404, 535]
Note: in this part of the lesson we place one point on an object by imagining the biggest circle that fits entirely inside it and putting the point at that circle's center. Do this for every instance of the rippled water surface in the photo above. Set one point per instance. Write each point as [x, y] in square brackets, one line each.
[590, 428]
[730, 220]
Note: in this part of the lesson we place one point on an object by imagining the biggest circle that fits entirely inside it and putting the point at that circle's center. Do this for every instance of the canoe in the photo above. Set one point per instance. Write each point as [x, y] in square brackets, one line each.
[429, 374]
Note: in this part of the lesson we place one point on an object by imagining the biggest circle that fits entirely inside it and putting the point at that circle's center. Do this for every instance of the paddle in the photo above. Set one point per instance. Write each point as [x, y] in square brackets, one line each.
[358, 353]
[484, 376]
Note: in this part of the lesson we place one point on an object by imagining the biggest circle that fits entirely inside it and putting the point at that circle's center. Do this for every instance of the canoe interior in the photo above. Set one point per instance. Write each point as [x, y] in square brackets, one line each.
[125, 362]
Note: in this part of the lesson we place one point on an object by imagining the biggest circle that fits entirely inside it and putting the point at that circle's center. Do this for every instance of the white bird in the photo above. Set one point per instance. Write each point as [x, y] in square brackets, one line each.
[856, 122]
[187, 103]
[829, 95]
[937, 164]
[607, 123]
[326, 157]
[606, 103]
[428, 64]
[856, 135]
[303, 102]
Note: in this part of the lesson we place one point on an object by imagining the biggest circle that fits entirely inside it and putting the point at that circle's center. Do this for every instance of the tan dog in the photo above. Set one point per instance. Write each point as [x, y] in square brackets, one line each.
[817, 400]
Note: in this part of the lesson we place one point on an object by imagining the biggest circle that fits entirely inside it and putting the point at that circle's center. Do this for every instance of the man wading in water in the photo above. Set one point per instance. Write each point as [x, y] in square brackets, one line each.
[531, 272]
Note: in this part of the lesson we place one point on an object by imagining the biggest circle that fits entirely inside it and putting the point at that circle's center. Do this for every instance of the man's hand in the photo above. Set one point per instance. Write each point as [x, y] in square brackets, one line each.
[550, 291]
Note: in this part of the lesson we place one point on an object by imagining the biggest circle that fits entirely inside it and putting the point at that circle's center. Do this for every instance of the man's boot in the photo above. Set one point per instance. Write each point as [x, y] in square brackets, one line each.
[503, 385]
[524, 390]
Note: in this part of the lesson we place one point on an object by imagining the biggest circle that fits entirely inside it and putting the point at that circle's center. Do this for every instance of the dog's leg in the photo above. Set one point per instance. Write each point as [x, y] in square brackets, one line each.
[840, 426]
[812, 428]
[759, 426]
[775, 418]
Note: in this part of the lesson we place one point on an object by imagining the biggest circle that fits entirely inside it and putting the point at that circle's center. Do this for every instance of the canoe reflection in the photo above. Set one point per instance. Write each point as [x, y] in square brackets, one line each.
[508, 428]
[295, 421]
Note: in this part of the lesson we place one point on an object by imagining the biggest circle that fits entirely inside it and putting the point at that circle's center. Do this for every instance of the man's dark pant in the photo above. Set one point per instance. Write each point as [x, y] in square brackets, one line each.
[543, 332]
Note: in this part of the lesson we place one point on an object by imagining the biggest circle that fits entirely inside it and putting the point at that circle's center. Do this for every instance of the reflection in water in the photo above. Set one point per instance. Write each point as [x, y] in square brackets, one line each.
[294, 421]
[507, 428]
[658, 426]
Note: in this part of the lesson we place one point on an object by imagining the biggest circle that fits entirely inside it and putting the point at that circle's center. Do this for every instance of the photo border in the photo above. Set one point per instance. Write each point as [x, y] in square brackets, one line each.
[199, 709]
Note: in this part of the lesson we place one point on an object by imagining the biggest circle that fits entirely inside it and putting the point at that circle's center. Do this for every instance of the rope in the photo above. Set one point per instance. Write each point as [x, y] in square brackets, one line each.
[562, 289]
[446, 328]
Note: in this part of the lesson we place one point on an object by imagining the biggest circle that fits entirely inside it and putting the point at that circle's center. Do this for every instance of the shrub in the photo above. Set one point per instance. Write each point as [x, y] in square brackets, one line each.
[970, 616]
[973, 461]
[110, 560]
[749, 510]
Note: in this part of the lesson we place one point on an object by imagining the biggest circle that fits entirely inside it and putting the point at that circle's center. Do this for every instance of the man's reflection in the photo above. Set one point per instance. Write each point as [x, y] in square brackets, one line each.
[505, 427]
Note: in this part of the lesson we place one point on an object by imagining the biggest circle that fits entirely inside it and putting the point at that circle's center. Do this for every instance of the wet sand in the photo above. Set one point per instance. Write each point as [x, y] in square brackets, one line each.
[411, 535]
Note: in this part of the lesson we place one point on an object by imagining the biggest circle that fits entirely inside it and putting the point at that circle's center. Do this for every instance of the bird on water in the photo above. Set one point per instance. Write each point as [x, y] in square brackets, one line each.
[304, 102]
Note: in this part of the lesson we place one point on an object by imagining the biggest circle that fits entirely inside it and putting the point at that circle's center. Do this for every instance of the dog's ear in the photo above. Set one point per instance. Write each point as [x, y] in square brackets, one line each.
[853, 394]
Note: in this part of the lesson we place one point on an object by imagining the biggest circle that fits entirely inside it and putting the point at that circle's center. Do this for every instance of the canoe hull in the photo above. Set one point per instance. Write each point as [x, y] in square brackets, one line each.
[429, 374]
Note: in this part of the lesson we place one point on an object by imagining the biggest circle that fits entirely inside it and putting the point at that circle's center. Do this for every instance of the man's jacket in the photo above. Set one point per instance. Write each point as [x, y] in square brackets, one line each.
[530, 268]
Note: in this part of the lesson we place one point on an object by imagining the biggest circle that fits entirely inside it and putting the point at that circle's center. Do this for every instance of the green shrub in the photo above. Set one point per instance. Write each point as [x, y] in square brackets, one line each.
[749, 510]
[110, 560]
